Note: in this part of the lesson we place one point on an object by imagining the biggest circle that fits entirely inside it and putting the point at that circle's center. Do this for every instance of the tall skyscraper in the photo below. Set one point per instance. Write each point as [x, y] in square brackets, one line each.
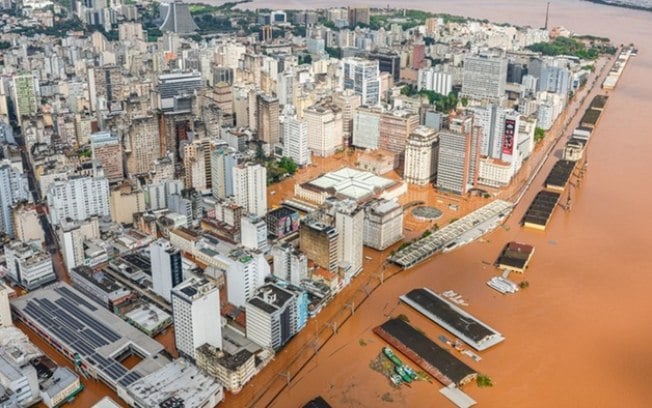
[166, 268]
[324, 128]
[144, 145]
[349, 223]
[484, 77]
[458, 155]
[366, 128]
[197, 165]
[223, 161]
[363, 77]
[267, 108]
[389, 62]
[78, 198]
[196, 314]
[358, 15]
[106, 86]
[319, 242]
[383, 223]
[26, 93]
[107, 151]
[295, 140]
[177, 18]
[14, 188]
[395, 127]
[290, 264]
[272, 316]
[250, 188]
[421, 152]
[176, 84]
[348, 101]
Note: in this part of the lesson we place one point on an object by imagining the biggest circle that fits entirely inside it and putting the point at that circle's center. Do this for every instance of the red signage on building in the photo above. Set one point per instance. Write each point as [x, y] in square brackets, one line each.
[508, 136]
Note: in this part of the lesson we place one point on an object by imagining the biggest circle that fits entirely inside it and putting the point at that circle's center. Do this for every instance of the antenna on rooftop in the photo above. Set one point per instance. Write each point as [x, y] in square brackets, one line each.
[545, 26]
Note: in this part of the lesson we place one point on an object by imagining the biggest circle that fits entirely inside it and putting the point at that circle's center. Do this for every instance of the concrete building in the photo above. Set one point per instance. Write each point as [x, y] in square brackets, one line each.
[348, 102]
[144, 145]
[254, 233]
[272, 316]
[14, 188]
[295, 141]
[177, 84]
[421, 153]
[319, 242]
[27, 226]
[196, 313]
[349, 224]
[5, 310]
[166, 268]
[325, 134]
[177, 384]
[223, 161]
[366, 128]
[28, 266]
[389, 62]
[484, 77]
[107, 151]
[555, 79]
[71, 236]
[233, 371]
[245, 272]
[250, 188]
[458, 156]
[125, 201]
[395, 127]
[25, 94]
[78, 198]
[383, 224]
[435, 79]
[197, 165]
[267, 116]
[363, 77]
[105, 88]
[282, 221]
[290, 264]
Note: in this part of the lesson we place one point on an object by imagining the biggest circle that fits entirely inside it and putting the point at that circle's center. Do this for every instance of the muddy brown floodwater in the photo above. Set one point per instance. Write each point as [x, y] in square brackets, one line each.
[580, 335]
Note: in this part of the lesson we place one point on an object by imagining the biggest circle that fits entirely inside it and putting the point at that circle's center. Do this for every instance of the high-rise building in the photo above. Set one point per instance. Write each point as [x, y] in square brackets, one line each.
[555, 79]
[290, 264]
[71, 239]
[395, 127]
[348, 101]
[177, 84]
[176, 18]
[421, 151]
[319, 241]
[349, 224]
[383, 223]
[27, 226]
[14, 188]
[245, 272]
[366, 128]
[295, 140]
[254, 233]
[389, 62]
[223, 161]
[166, 268]
[324, 128]
[484, 77]
[144, 145]
[78, 198]
[5, 309]
[363, 77]
[267, 108]
[458, 155]
[197, 165]
[250, 188]
[106, 85]
[107, 151]
[435, 79]
[28, 266]
[272, 316]
[358, 15]
[26, 94]
[196, 314]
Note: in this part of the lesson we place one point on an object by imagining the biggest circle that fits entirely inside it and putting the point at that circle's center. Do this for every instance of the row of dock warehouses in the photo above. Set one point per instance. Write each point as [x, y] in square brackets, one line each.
[540, 211]
[619, 66]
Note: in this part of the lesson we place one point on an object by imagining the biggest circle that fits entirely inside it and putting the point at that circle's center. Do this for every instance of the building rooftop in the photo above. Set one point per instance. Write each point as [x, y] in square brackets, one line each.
[96, 335]
[177, 381]
[271, 298]
[351, 183]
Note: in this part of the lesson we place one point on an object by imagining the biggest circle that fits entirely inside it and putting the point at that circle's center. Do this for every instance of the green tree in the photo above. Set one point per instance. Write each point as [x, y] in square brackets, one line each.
[539, 134]
[288, 165]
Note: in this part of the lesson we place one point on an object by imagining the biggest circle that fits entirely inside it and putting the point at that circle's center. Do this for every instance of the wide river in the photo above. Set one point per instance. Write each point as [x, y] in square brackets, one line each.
[581, 334]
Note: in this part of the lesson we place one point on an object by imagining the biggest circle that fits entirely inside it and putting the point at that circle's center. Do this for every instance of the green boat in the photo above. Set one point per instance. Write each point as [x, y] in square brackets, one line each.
[400, 370]
[399, 364]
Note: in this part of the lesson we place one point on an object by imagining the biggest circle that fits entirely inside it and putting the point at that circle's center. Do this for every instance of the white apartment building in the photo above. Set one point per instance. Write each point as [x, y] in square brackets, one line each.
[271, 316]
[434, 79]
[254, 233]
[290, 264]
[421, 152]
[5, 309]
[295, 141]
[78, 198]
[167, 270]
[250, 188]
[196, 313]
[27, 266]
[383, 224]
[324, 128]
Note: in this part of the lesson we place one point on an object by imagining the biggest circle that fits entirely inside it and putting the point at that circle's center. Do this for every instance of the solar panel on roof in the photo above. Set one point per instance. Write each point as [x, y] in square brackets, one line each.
[88, 320]
[63, 291]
